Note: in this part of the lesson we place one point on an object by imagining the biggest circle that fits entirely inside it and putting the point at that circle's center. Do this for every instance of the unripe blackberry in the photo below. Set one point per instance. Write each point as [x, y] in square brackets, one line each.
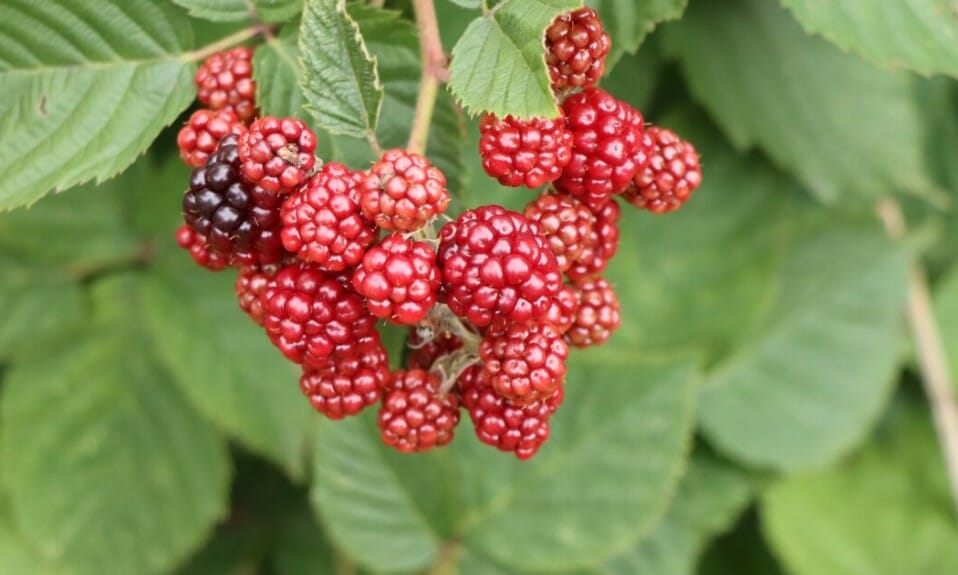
[565, 222]
[672, 174]
[403, 191]
[201, 134]
[225, 81]
[348, 382]
[528, 153]
[524, 362]
[250, 286]
[277, 154]
[194, 242]
[576, 47]
[597, 316]
[562, 312]
[399, 279]
[602, 247]
[414, 415]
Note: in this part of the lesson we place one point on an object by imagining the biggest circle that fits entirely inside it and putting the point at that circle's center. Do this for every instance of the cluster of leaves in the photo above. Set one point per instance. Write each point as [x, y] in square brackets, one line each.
[147, 427]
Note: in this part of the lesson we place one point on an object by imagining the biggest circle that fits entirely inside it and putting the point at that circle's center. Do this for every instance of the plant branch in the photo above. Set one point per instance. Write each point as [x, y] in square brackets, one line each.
[227, 42]
[433, 74]
[936, 374]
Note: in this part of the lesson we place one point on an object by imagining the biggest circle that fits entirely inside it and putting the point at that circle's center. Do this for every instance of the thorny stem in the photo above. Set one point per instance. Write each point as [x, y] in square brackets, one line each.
[433, 74]
[227, 42]
[936, 374]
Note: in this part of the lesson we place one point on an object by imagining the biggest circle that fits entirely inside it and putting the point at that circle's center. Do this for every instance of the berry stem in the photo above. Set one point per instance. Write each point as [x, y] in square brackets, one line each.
[227, 42]
[433, 74]
[936, 374]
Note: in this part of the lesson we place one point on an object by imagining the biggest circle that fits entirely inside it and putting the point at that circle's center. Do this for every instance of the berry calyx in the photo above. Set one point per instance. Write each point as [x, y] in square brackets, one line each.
[597, 316]
[603, 245]
[201, 134]
[495, 264]
[414, 415]
[348, 383]
[565, 222]
[195, 243]
[225, 81]
[528, 153]
[399, 279]
[277, 153]
[499, 423]
[524, 362]
[403, 191]
[671, 175]
[576, 47]
[608, 149]
[423, 354]
[322, 222]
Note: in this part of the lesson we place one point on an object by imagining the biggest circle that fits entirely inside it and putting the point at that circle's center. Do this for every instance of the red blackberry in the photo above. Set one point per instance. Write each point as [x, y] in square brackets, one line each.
[225, 81]
[598, 316]
[528, 153]
[399, 280]
[200, 136]
[562, 311]
[603, 245]
[672, 174]
[347, 384]
[565, 223]
[495, 264]
[403, 191]
[310, 316]
[521, 430]
[576, 47]
[277, 153]
[194, 242]
[250, 286]
[414, 416]
[524, 362]
[422, 354]
[322, 222]
[607, 150]
[239, 219]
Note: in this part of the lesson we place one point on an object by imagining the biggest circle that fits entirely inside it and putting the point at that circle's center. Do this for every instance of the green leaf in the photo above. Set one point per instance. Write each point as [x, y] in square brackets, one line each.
[887, 511]
[340, 76]
[946, 312]
[95, 434]
[238, 10]
[552, 512]
[499, 64]
[16, 554]
[839, 124]
[87, 87]
[629, 23]
[806, 385]
[301, 547]
[917, 35]
[636, 77]
[744, 550]
[277, 72]
[223, 362]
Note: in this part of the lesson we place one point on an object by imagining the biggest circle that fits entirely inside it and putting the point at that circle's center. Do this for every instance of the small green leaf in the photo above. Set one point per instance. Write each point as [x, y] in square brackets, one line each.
[499, 63]
[340, 76]
[629, 22]
[86, 88]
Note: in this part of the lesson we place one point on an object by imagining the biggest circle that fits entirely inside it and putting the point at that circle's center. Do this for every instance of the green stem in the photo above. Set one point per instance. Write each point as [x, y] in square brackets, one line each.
[433, 74]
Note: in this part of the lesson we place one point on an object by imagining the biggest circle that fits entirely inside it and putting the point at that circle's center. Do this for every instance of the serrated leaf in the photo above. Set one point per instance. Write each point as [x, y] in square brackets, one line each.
[340, 77]
[223, 363]
[887, 511]
[87, 87]
[917, 35]
[629, 23]
[498, 65]
[94, 433]
[551, 512]
[839, 124]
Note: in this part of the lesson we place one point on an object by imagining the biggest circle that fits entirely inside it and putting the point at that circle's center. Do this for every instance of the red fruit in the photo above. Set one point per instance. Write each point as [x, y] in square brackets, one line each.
[598, 316]
[403, 192]
[576, 45]
[277, 154]
[608, 150]
[528, 153]
[311, 316]
[225, 81]
[422, 354]
[495, 264]
[250, 287]
[562, 311]
[524, 362]
[195, 243]
[200, 136]
[399, 280]
[672, 174]
[565, 223]
[603, 245]
[347, 384]
[322, 222]
[414, 415]
[521, 430]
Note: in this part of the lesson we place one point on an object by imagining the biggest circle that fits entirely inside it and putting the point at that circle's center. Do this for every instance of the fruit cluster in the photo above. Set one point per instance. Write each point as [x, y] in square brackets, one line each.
[493, 299]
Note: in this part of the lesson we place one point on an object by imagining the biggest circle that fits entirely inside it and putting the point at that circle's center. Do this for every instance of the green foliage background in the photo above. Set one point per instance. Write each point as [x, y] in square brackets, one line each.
[759, 411]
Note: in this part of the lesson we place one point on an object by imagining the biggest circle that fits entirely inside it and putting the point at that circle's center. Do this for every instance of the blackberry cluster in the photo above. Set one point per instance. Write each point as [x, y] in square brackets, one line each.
[494, 300]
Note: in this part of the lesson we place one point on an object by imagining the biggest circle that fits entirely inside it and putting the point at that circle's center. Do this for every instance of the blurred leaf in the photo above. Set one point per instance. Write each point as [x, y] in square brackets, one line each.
[277, 72]
[739, 552]
[278, 10]
[636, 77]
[887, 511]
[237, 10]
[838, 123]
[946, 312]
[223, 362]
[499, 66]
[629, 23]
[151, 196]
[554, 512]
[229, 552]
[94, 434]
[16, 554]
[87, 87]
[302, 548]
[917, 35]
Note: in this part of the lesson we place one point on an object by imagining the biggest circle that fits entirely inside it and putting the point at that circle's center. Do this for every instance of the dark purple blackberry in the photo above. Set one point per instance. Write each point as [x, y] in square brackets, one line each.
[239, 219]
